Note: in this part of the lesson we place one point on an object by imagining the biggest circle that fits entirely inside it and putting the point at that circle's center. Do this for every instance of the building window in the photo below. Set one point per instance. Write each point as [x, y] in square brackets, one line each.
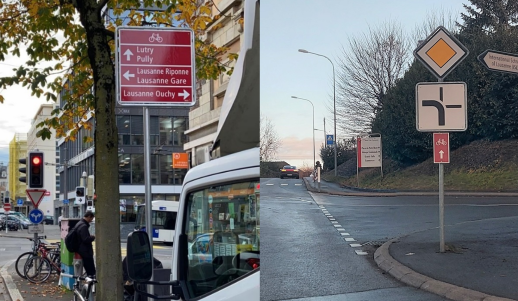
[131, 130]
[124, 169]
[137, 169]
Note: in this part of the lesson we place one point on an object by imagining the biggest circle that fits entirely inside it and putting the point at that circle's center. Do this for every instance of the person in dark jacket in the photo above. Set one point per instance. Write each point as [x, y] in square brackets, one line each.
[85, 248]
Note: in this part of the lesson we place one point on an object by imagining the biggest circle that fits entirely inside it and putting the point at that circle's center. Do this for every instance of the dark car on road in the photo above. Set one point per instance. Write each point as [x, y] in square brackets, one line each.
[11, 224]
[289, 171]
[48, 220]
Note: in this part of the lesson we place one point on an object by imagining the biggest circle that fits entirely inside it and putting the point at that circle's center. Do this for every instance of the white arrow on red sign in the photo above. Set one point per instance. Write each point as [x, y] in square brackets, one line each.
[36, 195]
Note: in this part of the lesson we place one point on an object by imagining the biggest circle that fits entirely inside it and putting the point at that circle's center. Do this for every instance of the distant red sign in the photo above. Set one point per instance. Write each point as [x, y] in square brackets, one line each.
[7, 207]
[155, 66]
[441, 148]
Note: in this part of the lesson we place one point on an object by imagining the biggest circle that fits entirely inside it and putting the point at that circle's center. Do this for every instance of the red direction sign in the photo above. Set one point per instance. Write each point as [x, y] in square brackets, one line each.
[155, 66]
[441, 148]
[7, 207]
[36, 195]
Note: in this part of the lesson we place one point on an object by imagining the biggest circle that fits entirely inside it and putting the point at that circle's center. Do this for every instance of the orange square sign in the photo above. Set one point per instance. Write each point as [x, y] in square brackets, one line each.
[181, 160]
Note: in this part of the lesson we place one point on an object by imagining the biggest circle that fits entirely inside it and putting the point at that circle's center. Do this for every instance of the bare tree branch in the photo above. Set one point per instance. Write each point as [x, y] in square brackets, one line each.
[270, 142]
[368, 68]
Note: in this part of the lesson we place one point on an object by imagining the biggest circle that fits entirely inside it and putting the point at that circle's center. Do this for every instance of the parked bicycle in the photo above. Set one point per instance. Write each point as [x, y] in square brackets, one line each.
[45, 262]
[24, 257]
[84, 287]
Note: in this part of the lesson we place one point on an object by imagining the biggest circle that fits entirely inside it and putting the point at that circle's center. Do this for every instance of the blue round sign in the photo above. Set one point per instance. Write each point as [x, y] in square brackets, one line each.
[36, 216]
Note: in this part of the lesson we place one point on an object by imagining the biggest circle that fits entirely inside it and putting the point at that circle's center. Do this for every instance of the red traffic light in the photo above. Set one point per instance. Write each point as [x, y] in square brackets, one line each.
[36, 160]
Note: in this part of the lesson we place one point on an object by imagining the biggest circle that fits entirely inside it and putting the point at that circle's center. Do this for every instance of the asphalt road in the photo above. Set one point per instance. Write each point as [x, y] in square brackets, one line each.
[304, 256]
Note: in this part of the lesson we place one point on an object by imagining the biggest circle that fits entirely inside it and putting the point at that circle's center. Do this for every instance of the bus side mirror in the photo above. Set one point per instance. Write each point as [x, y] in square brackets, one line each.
[138, 258]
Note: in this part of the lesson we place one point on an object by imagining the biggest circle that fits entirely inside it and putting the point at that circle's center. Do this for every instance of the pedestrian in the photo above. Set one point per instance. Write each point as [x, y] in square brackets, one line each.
[86, 250]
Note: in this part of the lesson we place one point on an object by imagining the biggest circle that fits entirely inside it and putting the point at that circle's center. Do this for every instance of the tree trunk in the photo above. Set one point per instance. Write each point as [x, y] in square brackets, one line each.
[107, 242]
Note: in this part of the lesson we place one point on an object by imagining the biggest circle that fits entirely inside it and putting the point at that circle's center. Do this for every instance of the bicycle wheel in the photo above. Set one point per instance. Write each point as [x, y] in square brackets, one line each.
[38, 269]
[21, 261]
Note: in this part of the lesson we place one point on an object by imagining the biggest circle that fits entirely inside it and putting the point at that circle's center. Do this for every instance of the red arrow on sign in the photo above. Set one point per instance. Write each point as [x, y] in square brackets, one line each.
[36, 195]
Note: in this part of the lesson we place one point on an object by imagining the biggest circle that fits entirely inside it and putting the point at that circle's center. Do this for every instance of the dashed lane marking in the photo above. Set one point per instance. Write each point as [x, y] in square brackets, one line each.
[270, 184]
[349, 239]
[340, 229]
[345, 234]
[360, 252]
[355, 245]
[337, 226]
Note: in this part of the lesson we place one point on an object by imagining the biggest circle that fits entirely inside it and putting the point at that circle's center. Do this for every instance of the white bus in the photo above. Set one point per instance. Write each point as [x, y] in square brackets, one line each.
[163, 220]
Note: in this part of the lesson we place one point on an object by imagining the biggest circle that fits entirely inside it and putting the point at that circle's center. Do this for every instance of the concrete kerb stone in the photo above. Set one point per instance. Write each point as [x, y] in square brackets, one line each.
[13, 291]
[310, 187]
[408, 276]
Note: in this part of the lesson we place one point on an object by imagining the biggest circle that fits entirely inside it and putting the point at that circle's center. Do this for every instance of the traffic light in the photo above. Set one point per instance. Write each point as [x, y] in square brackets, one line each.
[80, 192]
[23, 170]
[6, 200]
[36, 169]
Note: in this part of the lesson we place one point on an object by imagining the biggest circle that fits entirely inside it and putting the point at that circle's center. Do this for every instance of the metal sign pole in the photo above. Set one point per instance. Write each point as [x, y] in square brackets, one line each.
[441, 206]
[441, 202]
[147, 180]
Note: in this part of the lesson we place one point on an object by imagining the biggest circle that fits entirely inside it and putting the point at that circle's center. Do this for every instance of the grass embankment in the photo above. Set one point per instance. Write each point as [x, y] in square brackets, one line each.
[479, 166]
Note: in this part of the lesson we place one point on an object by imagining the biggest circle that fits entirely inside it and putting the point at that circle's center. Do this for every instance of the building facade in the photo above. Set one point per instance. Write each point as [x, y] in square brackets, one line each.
[17, 151]
[167, 127]
[204, 116]
[4, 181]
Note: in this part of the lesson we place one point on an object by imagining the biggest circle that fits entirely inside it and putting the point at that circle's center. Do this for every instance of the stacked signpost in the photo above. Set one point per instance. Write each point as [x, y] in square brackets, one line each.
[441, 107]
[155, 67]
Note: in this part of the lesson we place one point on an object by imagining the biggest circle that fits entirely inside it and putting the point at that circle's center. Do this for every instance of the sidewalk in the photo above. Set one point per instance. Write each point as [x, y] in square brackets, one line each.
[480, 262]
[19, 289]
[14, 288]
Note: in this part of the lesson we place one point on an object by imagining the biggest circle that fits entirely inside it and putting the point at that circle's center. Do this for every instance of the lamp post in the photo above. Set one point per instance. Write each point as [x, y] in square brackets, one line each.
[312, 127]
[334, 100]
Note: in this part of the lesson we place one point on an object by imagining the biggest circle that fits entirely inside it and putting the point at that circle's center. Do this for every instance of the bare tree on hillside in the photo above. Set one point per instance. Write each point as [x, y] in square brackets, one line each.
[367, 69]
[270, 142]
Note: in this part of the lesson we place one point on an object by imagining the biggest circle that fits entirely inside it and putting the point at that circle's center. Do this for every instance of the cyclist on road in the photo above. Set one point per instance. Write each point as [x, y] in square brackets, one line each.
[85, 248]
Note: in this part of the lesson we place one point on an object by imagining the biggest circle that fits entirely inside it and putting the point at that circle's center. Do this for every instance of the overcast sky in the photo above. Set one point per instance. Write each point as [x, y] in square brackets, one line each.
[18, 109]
[321, 27]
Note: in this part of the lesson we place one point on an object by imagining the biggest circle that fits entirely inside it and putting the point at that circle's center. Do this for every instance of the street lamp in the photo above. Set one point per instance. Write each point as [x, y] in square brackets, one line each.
[312, 127]
[334, 99]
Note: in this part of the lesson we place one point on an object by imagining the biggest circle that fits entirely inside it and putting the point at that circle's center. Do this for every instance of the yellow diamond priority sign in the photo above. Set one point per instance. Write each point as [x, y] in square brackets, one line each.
[441, 52]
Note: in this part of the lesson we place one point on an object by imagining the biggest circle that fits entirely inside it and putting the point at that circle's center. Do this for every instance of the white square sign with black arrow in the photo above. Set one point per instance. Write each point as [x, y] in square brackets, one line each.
[441, 107]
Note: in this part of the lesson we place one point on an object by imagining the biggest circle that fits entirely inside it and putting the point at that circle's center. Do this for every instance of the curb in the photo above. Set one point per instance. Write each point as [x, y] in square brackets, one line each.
[13, 291]
[310, 187]
[410, 277]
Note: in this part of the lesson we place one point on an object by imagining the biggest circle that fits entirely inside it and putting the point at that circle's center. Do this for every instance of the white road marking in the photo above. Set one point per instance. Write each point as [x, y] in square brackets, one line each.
[360, 252]
[338, 226]
[269, 184]
[340, 229]
[298, 184]
[355, 245]
[331, 219]
[334, 222]
[345, 234]
[349, 239]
